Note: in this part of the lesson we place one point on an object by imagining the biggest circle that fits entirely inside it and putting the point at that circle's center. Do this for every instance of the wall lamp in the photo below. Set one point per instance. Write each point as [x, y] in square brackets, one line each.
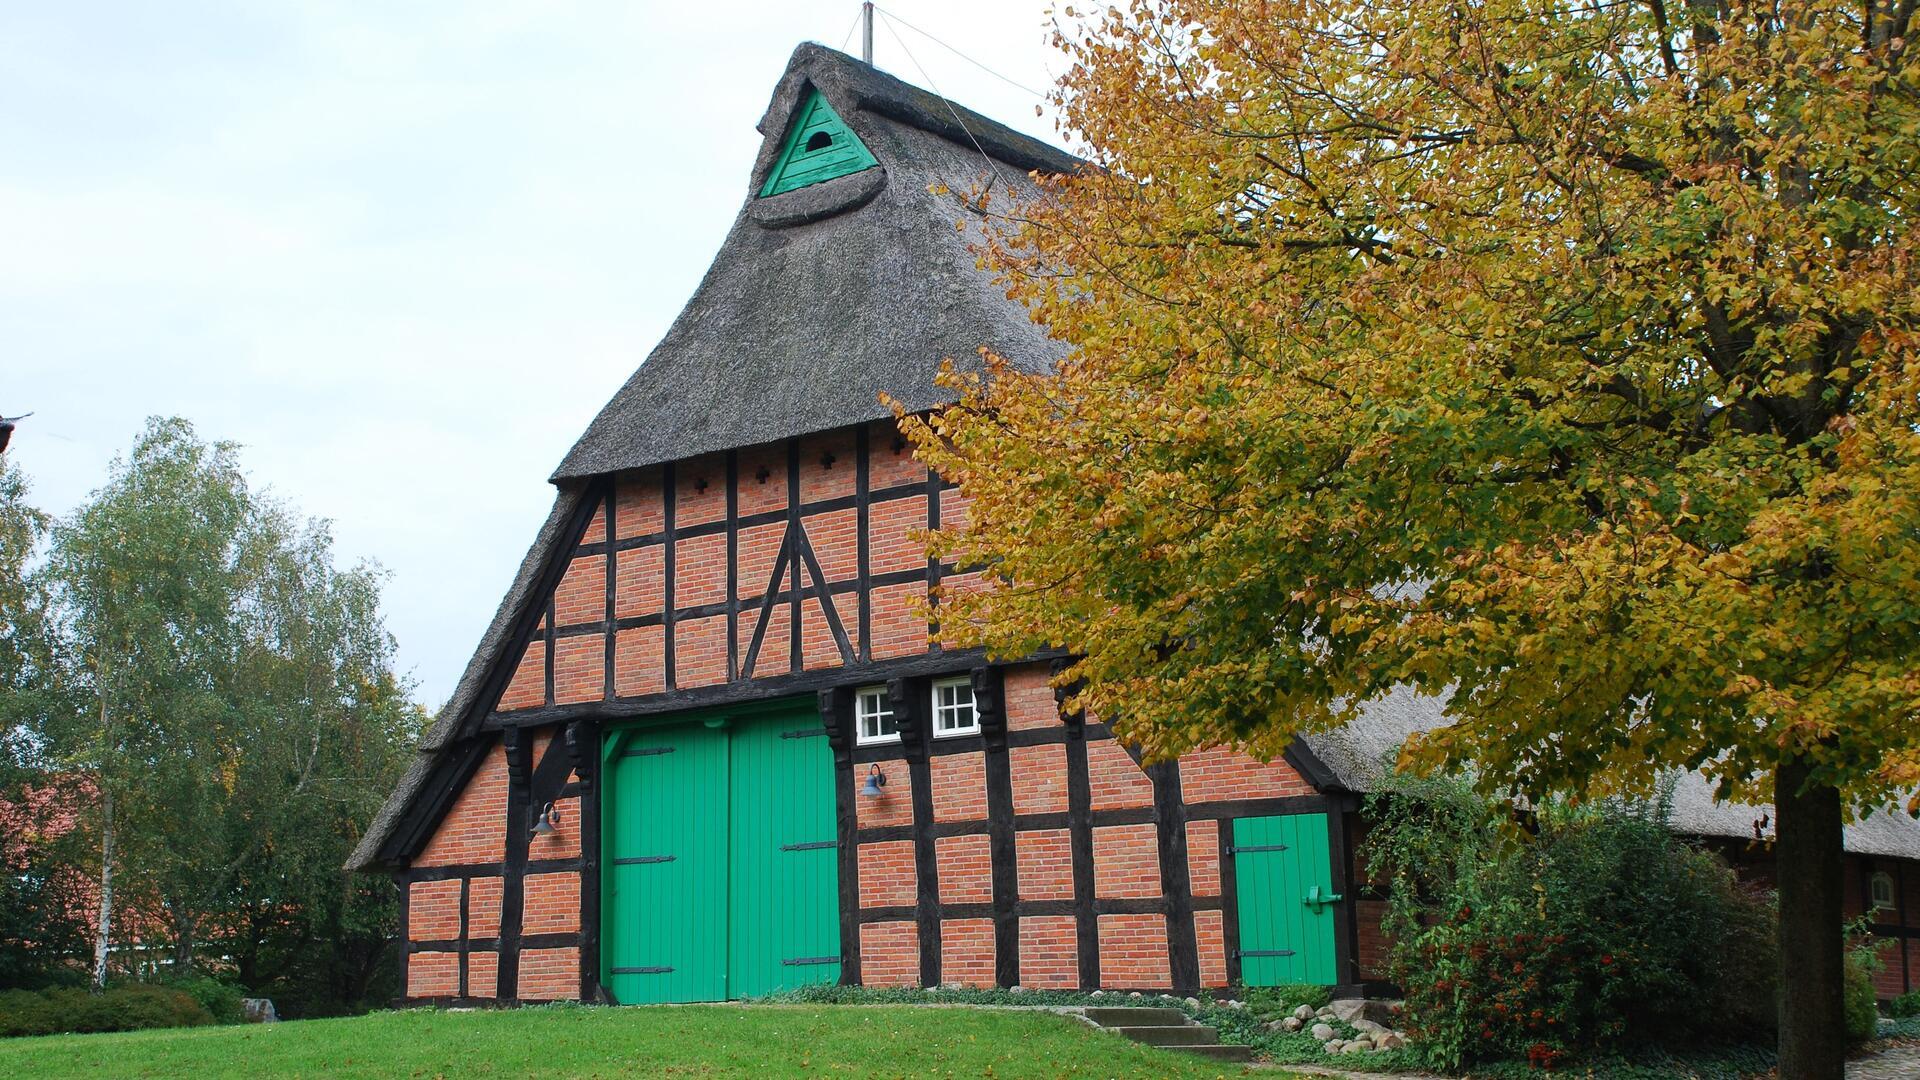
[876, 783]
[545, 819]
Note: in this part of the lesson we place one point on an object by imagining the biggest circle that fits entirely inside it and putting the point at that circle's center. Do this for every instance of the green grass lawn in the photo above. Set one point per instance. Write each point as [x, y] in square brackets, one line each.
[761, 1041]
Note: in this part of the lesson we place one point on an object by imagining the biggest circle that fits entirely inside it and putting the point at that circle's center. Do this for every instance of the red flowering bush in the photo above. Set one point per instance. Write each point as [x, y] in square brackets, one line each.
[1587, 931]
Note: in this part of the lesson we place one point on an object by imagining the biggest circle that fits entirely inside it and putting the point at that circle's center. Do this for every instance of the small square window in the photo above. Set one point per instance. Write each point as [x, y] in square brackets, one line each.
[953, 712]
[1880, 890]
[873, 716]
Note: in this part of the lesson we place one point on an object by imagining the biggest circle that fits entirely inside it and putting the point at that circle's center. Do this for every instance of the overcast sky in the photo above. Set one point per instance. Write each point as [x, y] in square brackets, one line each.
[402, 253]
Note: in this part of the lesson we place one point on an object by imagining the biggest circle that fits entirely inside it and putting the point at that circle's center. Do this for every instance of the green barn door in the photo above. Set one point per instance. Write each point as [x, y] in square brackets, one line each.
[721, 867]
[1284, 889]
[784, 913]
[665, 919]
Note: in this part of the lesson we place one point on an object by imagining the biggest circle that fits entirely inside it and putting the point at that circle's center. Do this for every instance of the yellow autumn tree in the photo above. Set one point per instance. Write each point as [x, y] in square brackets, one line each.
[1558, 355]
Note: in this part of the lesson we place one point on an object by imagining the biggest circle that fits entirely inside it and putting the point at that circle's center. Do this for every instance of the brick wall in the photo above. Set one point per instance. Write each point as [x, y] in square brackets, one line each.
[550, 974]
[1049, 953]
[1126, 862]
[1044, 861]
[966, 951]
[959, 784]
[475, 828]
[966, 869]
[1116, 782]
[887, 875]
[433, 910]
[1133, 952]
[1210, 936]
[1039, 779]
[552, 907]
[1221, 775]
[433, 974]
[889, 954]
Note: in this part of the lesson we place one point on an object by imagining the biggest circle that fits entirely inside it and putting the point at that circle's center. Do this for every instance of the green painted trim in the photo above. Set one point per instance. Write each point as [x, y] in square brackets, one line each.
[842, 154]
[1283, 874]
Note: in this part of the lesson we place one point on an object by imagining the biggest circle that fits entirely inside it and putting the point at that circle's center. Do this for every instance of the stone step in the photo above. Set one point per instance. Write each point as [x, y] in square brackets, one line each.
[1171, 1034]
[1135, 1016]
[1218, 1051]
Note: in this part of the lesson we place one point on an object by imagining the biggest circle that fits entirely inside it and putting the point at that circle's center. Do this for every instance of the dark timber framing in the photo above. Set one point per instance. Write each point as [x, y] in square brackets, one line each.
[908, 700]
[989, 697]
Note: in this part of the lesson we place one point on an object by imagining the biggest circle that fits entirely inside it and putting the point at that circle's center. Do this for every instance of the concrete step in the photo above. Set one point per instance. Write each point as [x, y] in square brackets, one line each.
[1132, 1016]
[1171, 1034]
[1218, 1051]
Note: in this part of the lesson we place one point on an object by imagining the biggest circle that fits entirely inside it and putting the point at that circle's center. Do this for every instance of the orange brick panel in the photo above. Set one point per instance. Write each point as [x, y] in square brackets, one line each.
[433, 974]
[887, 877]
[1126, 861]
[1220, 775]
[1029, 700]
[891, 543]
[1207, 931]
[1049, 953]
[433, 911]
[894, 806]
[483, 974]
[889, 954]
[759, 496]
[818, 647]
[700, 652]
[959, 786]
[564, 841]
[582, 594]
[1116, 781]
[827, 466]
[639, 581]
[596, 526]
[639, 661]
[1039, 779]
[1203, 857]
[699, 571]
[899, 621]
[774, 658]
[835, 539]
[1133, 952]
[580, 669]
[553, 904]
[966, 871]
[700, 490]
[953, 509]
[758, 548]
[967, 952]
[550, 974]
[475, 829]
[637, 506]
[1044, 858]
[483, 908]
[528, 687]
[889, 467]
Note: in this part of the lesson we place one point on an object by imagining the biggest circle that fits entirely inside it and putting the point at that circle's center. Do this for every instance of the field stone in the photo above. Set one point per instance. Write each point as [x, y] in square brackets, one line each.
[258, 1011]
[1366, 1027]
[1192, 1002]
[1323, 1032]
[1392, 1040]
[1304, 1012]
[1292, 1023]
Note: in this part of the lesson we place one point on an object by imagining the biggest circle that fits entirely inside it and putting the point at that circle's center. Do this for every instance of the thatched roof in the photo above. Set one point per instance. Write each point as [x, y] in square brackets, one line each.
[824, 297]
[820, 299]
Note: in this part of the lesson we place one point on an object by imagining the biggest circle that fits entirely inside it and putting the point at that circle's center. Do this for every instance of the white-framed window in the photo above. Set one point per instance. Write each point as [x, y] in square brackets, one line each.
[873, 716]
[953, 712]
[1880, 891]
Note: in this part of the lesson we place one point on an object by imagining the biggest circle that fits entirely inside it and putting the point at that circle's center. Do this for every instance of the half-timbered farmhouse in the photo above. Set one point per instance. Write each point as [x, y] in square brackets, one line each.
[705, 749]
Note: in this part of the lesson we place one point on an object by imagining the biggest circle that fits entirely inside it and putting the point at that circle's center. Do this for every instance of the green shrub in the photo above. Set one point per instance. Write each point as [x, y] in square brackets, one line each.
[1907, 1004]
[119, 1008]
[1599, 930]
[221, 999]
[1271, 1002]
[1862, 1003]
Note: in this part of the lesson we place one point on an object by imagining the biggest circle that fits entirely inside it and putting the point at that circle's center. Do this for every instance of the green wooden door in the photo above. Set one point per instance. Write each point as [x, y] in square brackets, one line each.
[784, 910]
[1284, 889]
[722, 871]
[664, 919]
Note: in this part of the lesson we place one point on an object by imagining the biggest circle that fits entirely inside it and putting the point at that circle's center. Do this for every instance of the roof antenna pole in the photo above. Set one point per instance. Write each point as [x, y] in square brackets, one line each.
[866, 32]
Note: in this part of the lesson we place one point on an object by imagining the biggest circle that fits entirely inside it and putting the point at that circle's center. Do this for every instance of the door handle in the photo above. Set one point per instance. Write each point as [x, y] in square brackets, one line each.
[1317, 900]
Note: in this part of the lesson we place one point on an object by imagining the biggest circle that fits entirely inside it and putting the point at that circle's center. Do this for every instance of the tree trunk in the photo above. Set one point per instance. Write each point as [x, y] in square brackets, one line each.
[183, 941]
[1808, 857]
[103, 936]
